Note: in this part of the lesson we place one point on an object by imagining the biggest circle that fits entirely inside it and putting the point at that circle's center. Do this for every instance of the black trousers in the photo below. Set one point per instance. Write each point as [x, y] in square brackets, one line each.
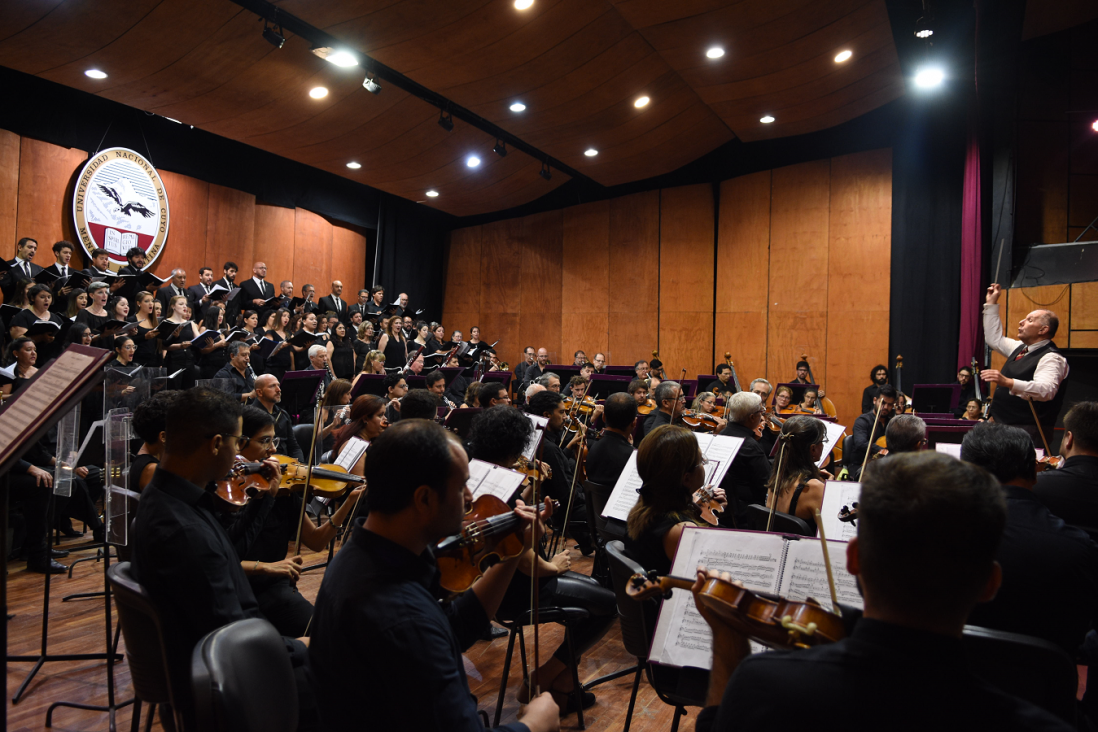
[34, 500]
[284, 607]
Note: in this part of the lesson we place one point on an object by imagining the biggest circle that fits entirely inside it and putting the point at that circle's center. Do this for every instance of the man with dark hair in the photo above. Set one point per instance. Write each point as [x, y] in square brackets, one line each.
[181, 554]
[268, 393]
[919, 587]
[135, 262]
[228, 279]
[638, 389]
[579, 358]
[905, 433]
[360, 306]
[23, 268]
[562, 462]
[802, 373]
[599, 362]
[493, 393]
[418, 404]
[968, 389]
[745, 481]
[395, 389]
[379, 599]
[376, 306]
[1072, 491]
[1041, 556]
[499, 435]
[723, 385]
[669, 399]
[1031, 380]
[864, 428]
[239, 371]
[878, 376]
[62, 255]
[200, 294]
[607, 457]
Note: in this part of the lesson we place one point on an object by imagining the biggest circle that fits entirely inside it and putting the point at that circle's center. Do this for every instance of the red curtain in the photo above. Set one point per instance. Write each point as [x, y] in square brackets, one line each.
[971, 333]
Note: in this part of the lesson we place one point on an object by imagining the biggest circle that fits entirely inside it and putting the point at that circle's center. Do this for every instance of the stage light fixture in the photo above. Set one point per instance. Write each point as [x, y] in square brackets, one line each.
[590, 152]
[432, 193]
[545, 172]
[923, 28]
[523, 4]
[715, 52]
[273, 37]
[318, 92]
[843, 56]
[353, 165]
[370, 84]
[472, 161]
[929, 77]
[338, 57]
[445, 121]
[1094, 125]
[767, 119]
[95, 74]
[518, 107]
[500, 149]
[641, 102]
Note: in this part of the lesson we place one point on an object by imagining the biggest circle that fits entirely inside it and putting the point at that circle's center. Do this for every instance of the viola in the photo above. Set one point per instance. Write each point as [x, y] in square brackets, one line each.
[700, 421]
[244, 482]
[575, 406]
[648, 407]
[329, 481]
[774, 621]
[708, 504]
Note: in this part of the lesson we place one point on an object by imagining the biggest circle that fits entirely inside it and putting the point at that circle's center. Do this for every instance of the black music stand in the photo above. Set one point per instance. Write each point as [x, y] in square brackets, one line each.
[460, 420]
[299, 390]
[935, 397]
[368, 384]
[603, 385]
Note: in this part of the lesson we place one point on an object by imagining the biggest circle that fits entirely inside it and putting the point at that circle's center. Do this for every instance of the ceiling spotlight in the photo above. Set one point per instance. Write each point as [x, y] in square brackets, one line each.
[641, 102]
[590, 152]
[472, 161]
[445, 120]
[318, 92]
[273, 37]
[339, 57]
[929, 78]
[370, 83]
[1094, 126]
[767, 119]
[518, 107]
[715, 52]
[545, 172]
[500, 149]
[843, 56]
[432, 193]
[523, 4]
[923, 28]
[353, 165]
[95, 74]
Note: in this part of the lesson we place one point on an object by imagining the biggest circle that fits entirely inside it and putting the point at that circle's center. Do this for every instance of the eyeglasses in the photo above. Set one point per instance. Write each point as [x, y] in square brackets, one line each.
[701, 464]
[266, 442]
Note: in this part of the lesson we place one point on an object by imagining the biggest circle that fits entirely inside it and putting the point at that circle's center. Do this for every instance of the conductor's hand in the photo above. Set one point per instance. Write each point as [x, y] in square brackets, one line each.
[996, 377]
[992, 296]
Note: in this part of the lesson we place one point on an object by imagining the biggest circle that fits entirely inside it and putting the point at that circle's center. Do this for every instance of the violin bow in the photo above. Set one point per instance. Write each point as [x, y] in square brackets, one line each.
[309, 476]
[571, 495]
[777, 485]
[872, 432]
[676, 404]
[827, 565]
[1040, 429]
[534, 544]
[575, 404]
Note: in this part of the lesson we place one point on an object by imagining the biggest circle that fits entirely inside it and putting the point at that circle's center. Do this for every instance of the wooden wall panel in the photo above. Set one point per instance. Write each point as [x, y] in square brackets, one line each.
[312, 252]
[9, 192]
[1084, 339]
[494, 325]
[500, 256]
[349, 260]
[744, 336]
[859, 262]
[1024, 300]
[463, 272]
[585, 286]
[632, 336]
[585, 331]
[635, 256]
[798, 269]
[1084, 306]
[540, 274]
[46, 174]
[274, 244]
[686, 279]
[230, 230]
[188, 201]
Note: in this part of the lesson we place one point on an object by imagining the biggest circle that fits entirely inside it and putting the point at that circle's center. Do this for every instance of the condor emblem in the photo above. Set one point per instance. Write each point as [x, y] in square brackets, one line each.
[120, 203]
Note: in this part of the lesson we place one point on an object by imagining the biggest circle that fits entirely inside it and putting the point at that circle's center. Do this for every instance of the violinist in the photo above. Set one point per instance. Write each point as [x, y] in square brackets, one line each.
[770, 427]
[382, 643]
[577, 387]
[745, 481]
[640, 368]
[262, 551]
[907, 648]
[638, 388]
[863, 427]
[905, 433]
[783, 401]
[809, 403]
[796, 485]
[669, 399]
[609, 454]
[723, 386]
[550, 381]
[706, 403]
[368, 421]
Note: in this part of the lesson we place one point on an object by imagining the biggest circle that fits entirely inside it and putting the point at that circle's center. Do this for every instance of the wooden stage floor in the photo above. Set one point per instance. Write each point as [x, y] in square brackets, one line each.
[78, 627]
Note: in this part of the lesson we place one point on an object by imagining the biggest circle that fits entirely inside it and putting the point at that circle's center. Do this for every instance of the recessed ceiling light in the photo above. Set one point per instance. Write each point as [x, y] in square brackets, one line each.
[432, 193]
[843, 56]
[929, 77]
[518, 107]
[590, 152]
[767, 119]
[715, 52]
[523, 4]
[95, 74]
[318, 92]
[472, 161]
[641, 102]
[353, 165]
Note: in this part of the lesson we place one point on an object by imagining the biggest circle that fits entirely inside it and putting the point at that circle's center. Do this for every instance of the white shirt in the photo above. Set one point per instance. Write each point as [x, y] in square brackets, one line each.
[23, 265]
[259, 283]
[1051, 370]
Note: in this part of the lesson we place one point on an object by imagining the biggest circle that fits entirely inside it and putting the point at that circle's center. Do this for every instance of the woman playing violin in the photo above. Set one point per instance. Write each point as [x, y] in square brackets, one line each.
[795, 481]
[705, 403]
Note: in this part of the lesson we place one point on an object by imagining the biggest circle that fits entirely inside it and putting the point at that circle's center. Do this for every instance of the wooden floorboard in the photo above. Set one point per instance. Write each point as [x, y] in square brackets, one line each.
[78, 627]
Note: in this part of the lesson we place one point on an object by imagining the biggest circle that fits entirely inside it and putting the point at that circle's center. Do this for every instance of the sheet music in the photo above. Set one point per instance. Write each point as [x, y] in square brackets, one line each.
[624, 496]
[954, 449]
[834, 437]
[805, 575]
[36, 398]
[351, 451]
[490, 479]
[836, 495]
[531, 450]
[683, 637]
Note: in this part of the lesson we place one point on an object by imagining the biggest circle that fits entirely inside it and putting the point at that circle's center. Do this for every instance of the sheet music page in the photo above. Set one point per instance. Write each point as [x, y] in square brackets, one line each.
[834, 437]
[720, 451]
[805, 575]
[836, 495]
[490, 479]
[624, 496]
[531, 450]
[682, 637]
[33, 401]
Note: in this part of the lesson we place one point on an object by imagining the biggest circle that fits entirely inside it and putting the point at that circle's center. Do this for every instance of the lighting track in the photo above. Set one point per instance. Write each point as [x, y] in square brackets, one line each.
[319, 39]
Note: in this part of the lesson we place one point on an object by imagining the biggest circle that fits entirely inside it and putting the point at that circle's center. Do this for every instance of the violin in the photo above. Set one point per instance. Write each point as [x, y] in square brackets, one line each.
[244, 482]
[329, 481]
[530, 468]
[708, 504]
[700, 421]
[768, 619]
[585, 406]
[1049, 462]
[648, 407]
[849, 515]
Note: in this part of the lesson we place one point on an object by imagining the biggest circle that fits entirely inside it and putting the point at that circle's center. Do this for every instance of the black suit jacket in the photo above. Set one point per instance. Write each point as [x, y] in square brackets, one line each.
[607, 458]
[195, 293]
[251, 291]
[327, 304]
[7, 282]
[167, 292]
[745, 481]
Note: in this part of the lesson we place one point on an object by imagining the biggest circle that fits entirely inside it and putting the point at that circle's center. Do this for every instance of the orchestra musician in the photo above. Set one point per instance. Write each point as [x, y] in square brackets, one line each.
[809, 403]
[783, 401]
[1034, 370]
[905, 433]
[640, 369]
[723, 386]
[669, 399]
[1071, 492]
[863, 427]
[968, 386]
[268, 393]
[419, 404]
[802, 373]
[395, 389]
[706, 403]
[367, 422]
[608, 455]
[745, 481]
[493, 393]
[796, 485]
[878, 376]
[436, 384]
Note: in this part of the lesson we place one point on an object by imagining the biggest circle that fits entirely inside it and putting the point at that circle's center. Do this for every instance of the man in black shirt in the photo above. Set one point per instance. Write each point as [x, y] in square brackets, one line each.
[723, 385]
[376, 306]
[181, 554]
[239, 371]
[381, 640]
[745, 481]
[879, 377]
[562, 463]
[864, 429]
[1072, 491]
[1041, 556]
[919, 587]
[607, 457]
[905, 433]
[268, 393]
[669, 399]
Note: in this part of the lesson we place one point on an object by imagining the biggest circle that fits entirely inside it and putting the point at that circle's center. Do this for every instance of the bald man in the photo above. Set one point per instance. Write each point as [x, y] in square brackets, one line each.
[256, 291]
[334, 303]
[268, 393]
[1030, 380]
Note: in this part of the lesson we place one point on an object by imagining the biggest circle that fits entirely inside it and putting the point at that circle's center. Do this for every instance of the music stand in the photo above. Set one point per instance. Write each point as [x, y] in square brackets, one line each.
[935, 397]
[501, 377]
[603, 385]
[460, 420]
[368, 384]
[299, 390]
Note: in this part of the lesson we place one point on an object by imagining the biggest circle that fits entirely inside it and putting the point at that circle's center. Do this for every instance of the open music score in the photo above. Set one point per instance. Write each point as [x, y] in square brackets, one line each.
[834, 437]
[774, 563]
[836, 495]
[531, 450]
[490, 479]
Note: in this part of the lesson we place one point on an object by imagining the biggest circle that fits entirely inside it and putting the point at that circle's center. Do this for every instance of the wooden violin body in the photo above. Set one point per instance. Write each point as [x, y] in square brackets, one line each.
[243, 483]
[329, 481]
[774, 621]
[647, 408]
[700, 421]
[708, 505]
[492, 533]
[575, 406]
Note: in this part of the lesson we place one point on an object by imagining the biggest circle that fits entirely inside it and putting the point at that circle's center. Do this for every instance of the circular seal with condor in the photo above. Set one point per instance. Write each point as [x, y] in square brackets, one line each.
[119, 203]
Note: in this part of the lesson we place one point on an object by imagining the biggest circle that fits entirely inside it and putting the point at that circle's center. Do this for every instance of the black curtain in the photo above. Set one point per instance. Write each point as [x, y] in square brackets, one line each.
[411, 245]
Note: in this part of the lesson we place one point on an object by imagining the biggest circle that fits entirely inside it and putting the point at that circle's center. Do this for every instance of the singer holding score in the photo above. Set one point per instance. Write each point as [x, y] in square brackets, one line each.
[1034, 371]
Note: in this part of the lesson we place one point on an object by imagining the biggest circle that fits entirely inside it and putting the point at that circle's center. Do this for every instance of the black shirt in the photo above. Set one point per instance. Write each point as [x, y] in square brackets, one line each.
[1072, 491]
[719, 387]
[745, 481]
[284, 431]
[242, 384]
[1042, 557]
[607, 458]
[382, 643]
[893, 678]
[654, 420]
[868, 395]
[863, 426]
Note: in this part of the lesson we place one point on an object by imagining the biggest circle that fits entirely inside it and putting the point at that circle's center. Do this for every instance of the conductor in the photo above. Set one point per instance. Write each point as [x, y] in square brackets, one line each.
[1034, 371]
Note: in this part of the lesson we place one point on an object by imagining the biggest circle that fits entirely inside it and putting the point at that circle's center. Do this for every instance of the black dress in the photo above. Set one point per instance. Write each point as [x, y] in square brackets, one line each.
[361, 349]
[95, 322]
[46, 351]
[396, 353]
[137, 466]
[793, 508]
[147, 353]
[213, 361]
[343, 358]
[279, 363]
[183, 358]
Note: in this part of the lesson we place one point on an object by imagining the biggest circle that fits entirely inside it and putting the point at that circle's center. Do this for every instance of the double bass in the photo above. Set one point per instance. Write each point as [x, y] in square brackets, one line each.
[826, 405]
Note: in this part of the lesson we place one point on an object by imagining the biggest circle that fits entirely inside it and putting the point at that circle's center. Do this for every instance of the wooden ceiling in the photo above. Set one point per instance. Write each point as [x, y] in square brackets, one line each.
[578, 65]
